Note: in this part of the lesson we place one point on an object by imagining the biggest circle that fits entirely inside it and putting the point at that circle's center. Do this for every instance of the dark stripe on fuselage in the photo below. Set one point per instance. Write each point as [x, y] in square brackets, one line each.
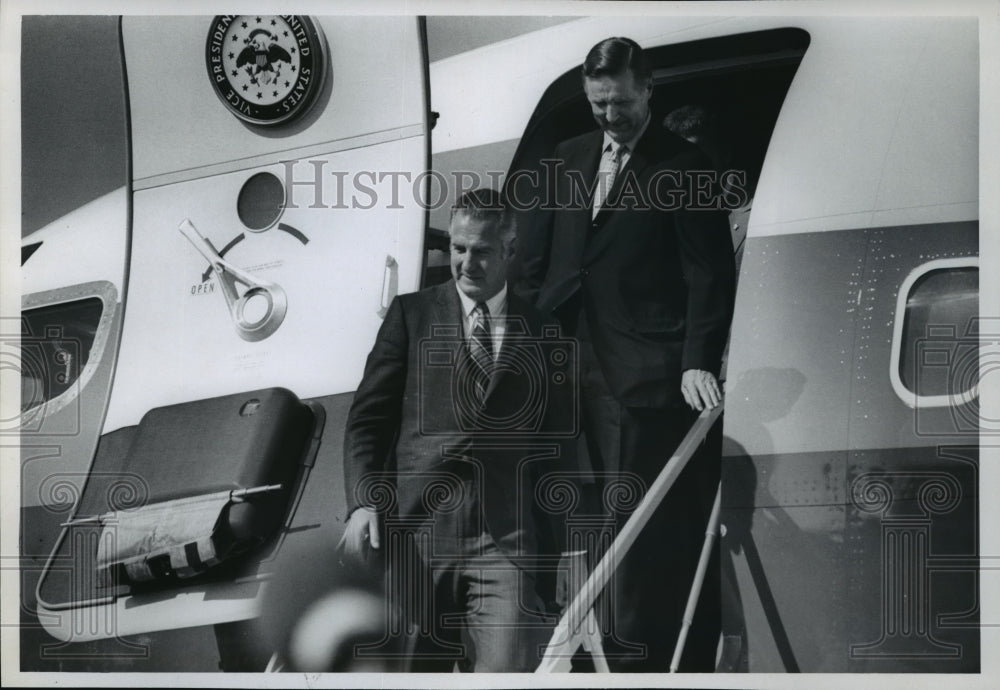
[846, 495]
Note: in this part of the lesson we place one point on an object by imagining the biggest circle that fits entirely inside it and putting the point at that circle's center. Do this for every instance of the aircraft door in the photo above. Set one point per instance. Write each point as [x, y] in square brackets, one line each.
[277, 164]
[296, 205]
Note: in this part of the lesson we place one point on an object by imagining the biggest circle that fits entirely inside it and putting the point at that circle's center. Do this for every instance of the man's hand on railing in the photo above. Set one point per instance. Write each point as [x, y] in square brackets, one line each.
[700, 389]
[570, 577]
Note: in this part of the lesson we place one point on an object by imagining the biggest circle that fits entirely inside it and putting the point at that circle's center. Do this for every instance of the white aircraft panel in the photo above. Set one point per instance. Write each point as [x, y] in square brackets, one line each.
[181, 342]
[825, 158]
[179, 123]
[879, 127]
[84, 246]
[934, 155]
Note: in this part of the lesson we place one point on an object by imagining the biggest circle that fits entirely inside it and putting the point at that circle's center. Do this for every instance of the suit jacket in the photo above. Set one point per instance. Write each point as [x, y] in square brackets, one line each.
[415, 427]
[654, 276]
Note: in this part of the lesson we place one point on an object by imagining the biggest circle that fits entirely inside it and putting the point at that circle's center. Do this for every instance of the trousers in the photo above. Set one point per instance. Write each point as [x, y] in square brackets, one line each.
[641, 611]
[476, 609]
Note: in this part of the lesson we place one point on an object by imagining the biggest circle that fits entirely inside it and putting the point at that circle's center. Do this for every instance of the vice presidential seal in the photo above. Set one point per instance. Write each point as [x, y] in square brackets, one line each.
[266, 69]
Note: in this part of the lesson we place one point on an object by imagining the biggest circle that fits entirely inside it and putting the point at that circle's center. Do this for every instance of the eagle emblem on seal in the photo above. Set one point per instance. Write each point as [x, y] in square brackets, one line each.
[263, 57]
[266, 69]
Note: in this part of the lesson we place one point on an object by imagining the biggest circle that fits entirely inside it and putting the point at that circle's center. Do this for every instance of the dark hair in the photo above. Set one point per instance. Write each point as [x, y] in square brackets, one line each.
[486, 204]
[690, 121]
[614, 56]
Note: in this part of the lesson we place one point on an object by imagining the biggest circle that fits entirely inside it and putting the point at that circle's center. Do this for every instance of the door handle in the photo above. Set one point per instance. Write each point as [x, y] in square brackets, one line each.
[249, 327]
[390, 285]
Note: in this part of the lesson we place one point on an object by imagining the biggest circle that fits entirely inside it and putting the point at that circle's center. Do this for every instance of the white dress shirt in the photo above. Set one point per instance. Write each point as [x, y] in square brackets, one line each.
[608, 141]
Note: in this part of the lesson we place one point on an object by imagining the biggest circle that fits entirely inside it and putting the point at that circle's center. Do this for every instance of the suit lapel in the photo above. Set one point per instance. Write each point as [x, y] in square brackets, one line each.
[498, 373]
[587, 161]
[656, 145]
[447, 307]
[588, 158]
[447, 319]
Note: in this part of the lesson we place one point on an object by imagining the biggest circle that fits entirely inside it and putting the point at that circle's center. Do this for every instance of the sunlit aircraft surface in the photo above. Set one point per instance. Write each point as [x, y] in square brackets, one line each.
[241, 261]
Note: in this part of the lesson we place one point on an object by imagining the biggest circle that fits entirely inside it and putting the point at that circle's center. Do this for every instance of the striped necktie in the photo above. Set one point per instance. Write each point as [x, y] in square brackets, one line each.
[611, 161]
[481, 349]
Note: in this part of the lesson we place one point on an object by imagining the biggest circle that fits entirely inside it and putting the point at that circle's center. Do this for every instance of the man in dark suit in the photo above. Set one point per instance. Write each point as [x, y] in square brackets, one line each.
[465, 404]
[636, 261]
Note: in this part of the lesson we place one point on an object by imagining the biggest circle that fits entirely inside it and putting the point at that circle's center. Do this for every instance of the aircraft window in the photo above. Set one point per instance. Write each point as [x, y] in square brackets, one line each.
[723, 94]
[56, 344]
[936, 339]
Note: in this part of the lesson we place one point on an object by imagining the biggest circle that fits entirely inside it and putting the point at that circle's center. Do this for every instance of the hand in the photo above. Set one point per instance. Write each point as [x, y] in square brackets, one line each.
[362, 529]
[570, 577]
[700, 389]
